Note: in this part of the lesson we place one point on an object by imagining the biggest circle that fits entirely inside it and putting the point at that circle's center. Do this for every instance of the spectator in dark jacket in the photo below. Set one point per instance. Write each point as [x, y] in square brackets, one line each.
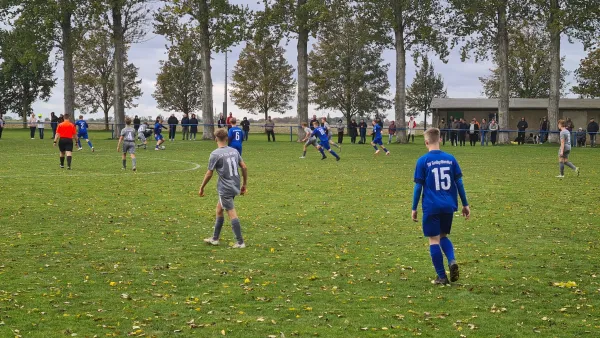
[462, 133]
[521, 126]
[570, 126]
[363, 131]
[473, 132]
[193, 127]
[185, 127]
[391, 131]
[592, 129]
[53, 123]
[483, 131]
[172, 121]
[442, 128]
[245, 127]
[353, 129]
[136, 123]
[580, 135]
[221, 122]
[544, 130]
[314, 119]
[455, 131]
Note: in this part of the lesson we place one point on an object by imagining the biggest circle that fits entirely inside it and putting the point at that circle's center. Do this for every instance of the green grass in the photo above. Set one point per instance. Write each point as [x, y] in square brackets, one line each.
[332, 251]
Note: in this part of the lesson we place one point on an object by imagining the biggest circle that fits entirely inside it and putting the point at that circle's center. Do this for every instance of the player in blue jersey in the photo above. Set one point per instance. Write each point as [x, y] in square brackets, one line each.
[439, 178]
[235, 135]
[82, 132]
[158, 127]
[325, 126]
[321, 134]
[378, 139]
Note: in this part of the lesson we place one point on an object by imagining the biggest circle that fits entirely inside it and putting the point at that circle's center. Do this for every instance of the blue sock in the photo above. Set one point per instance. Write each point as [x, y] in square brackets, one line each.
[448, 248]
[437, 257]
[78, 143]
[384, 149]
[375, 148]
[90, 144]
[322, 152]
[334, 154]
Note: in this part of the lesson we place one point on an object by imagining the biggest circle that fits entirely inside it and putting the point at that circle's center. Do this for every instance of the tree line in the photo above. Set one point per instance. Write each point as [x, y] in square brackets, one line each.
[344, 72]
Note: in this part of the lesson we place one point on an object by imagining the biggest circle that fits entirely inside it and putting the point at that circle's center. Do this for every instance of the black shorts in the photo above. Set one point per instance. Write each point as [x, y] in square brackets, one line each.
[65, 144]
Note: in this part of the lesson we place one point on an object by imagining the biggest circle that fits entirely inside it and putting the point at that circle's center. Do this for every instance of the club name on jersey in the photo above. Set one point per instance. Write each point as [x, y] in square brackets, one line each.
[231, 153]
[439, 162]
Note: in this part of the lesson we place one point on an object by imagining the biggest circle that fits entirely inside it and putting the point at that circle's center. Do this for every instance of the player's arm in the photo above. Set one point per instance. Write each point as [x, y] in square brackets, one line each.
[562, 146]
[466, 211]
[119, 144]
[242, 165]
[56, 137]
[416, 196]
[207, 177]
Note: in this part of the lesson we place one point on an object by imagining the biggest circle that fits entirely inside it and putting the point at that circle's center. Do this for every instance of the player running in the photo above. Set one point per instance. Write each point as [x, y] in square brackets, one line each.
[235, 135]
[320, 133]
[564, 150]
[225, 160]
[308, 139]
[439, 177]
[82, 133]
[65, 135]
[325, 126]
[142, 134]
[158, 127]
[128, 140]
[378, 140]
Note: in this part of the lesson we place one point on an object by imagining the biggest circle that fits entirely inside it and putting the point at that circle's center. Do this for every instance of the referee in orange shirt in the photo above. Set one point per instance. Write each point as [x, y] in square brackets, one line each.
[65, 135]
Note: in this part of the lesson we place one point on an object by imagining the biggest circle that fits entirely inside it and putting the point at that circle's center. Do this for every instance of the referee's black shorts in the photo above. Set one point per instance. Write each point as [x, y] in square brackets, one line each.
[65, 144]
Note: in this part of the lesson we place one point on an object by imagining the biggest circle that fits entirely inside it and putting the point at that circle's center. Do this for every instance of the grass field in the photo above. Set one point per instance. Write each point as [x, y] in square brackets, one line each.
[331, 252]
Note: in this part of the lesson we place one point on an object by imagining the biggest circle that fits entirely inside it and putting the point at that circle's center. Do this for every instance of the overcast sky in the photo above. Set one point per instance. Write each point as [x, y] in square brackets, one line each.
[461, 79]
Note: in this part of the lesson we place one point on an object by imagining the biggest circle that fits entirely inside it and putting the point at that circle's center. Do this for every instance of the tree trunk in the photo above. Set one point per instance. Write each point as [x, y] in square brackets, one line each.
[106, 119]
[207, 96]
[400, 98]
[119, 44]
[67, 51]
[503, 103]
[553, 109]
[302, 48]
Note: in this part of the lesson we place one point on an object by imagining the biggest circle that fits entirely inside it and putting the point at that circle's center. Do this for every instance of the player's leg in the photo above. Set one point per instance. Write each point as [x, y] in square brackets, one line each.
[62, 159]
[228, 205]
[568, 163]
[133, 162]
[387, 152]
[214, 240]
[69, 156]
[304, 150]
[446, 244]
[79, 142]
[432, 230]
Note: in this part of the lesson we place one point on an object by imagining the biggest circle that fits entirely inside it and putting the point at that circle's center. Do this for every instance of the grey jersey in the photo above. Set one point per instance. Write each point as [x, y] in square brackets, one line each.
[225, 161]
[128, 134]
[566, 135]
[309, 134]
[142, 128]
[326, 126]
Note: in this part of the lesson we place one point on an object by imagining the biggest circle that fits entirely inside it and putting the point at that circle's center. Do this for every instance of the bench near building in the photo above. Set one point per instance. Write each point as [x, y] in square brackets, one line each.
[533, 110]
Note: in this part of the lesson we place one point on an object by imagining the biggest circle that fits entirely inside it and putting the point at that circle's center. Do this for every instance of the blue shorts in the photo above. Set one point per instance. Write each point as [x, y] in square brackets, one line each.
[435, 224]
[325, 145]
[158, 137]
[238, 149]
[378, 141]
[83, 135]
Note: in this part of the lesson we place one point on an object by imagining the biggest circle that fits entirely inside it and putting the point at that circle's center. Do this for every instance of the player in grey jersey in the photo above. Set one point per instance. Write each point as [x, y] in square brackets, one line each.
[225, 160]
[308, 139]
[142, 134]
[564, 150]
[128, 140]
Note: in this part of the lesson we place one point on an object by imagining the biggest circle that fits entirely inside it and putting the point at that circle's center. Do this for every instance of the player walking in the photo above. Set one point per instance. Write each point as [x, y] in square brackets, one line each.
[235, 135]
[128, 140]
[82, 133]
[439, 178]
[378, 139]
[308, 139]
[158, 127]
[225, 160]
[321, 134]
[564, 150]
[65, 135]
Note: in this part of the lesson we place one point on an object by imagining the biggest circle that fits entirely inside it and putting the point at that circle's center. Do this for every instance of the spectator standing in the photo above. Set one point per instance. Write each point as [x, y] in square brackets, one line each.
[53, 123]
[314, 119]
[363, 131]
[185, 127]
[221, 122]
[391, 131]
[473, 132]
[448, 126]
[483, 131]
[32, 125]
[1, 126]
[412, 125]
[61, 119]
[40, 126]
[193, 127]
[455, 131]
[172, 121]
[228, 121]
[592, 129]
[340, 129]
[569, 125]
[353, 129]
[493, 131]
[580, 135]
[462, 134]
[544, 130]
[442, 128]
[136, 123]
[269, 128]
[521, 126]
[245, 127]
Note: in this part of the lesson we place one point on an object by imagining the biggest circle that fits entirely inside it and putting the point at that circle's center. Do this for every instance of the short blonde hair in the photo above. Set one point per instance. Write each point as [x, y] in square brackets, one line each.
[221, 135]
[432, 135]
[561, 123]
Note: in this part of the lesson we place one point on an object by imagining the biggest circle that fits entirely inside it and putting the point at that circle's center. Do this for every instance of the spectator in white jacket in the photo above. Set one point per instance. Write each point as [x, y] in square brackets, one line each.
[40, 126]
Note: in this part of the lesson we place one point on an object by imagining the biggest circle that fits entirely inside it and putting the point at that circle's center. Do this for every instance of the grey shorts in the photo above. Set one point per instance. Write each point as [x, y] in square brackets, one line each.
[227, 202]
[311, 141]
[129, 147]
[142, 137]
[565, 154]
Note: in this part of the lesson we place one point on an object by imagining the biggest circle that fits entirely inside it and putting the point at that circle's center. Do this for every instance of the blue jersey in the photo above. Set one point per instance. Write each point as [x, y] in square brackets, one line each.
[158, 128]
[377, 131]
[82, 126]
[438, 172]
[235, 136]
[321, 134]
